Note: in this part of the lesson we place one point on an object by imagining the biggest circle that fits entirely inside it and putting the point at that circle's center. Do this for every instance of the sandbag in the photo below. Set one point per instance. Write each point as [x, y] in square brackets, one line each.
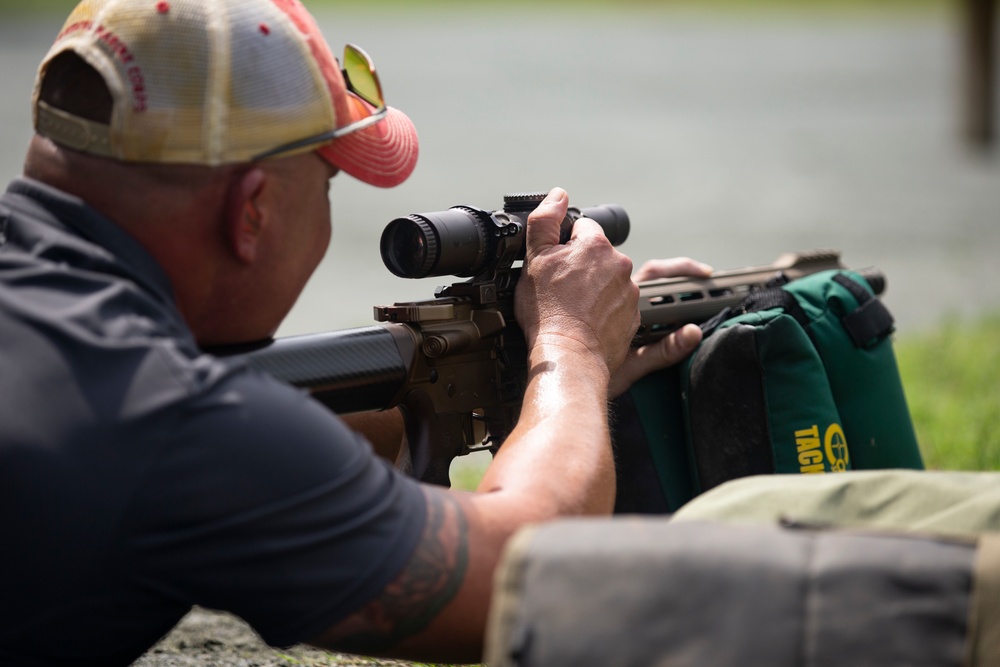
[953, 503]
[648, 591]
[802, 379]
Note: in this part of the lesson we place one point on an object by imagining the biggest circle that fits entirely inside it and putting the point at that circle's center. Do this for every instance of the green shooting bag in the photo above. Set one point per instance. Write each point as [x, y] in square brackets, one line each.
[800, 378]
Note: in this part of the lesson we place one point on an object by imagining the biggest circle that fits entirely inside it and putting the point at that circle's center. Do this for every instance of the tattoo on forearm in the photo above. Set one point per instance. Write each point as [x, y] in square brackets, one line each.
[427, 583]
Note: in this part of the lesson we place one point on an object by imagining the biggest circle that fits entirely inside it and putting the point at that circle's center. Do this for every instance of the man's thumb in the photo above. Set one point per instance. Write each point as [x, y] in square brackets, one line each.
[545, 220]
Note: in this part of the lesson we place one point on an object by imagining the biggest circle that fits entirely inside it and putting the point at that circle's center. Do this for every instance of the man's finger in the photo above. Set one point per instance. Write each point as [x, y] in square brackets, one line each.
[544, 222]
[585, 227]
[663, 353]
[672, 268]
[673, 348]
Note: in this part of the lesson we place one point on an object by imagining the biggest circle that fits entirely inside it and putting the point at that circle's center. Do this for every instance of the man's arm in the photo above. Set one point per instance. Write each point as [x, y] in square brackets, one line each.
[429, 581]
[578, 309]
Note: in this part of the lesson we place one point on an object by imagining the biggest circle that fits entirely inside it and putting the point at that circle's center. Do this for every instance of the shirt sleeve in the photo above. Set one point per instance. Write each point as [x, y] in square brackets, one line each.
[264, 504]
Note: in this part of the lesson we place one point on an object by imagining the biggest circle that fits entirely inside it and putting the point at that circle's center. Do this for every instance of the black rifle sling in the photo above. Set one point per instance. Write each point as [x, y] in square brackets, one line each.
[774, 297]
[756, 301]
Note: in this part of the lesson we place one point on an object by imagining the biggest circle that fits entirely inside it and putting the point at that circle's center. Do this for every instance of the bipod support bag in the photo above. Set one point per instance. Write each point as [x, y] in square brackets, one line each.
[800, 378]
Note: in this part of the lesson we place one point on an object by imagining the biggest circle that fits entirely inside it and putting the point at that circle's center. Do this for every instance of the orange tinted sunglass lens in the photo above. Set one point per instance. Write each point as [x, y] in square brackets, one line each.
[361, 77]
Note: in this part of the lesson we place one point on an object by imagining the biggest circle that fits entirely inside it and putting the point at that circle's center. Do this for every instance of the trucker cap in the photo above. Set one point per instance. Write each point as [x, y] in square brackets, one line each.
[216, 82]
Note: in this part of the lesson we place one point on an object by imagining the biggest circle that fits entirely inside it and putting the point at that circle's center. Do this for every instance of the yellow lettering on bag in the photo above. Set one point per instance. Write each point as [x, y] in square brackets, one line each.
[810, 455]
[806, 444]
[808, 433]
[812, 451]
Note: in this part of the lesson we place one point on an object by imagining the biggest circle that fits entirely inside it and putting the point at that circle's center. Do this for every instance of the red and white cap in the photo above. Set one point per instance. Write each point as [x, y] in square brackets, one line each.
[216, 82]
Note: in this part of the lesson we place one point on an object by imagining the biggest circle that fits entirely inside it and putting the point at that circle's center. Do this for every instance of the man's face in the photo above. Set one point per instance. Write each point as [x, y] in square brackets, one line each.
[299, 230]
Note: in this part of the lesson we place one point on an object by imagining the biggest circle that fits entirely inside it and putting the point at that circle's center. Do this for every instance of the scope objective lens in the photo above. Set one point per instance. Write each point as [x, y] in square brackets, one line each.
[442, 243]
[409, 247]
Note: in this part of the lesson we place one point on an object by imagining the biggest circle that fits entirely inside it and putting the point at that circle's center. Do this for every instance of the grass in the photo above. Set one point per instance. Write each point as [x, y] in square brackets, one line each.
[467, 471]
[952, 382]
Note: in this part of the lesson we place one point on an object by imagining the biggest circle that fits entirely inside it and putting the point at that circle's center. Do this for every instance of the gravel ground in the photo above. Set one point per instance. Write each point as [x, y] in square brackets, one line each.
[214, 639]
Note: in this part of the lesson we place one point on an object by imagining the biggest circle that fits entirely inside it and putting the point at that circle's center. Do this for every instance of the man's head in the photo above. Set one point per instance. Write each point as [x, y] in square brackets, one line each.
[215, 82]
[209, 129]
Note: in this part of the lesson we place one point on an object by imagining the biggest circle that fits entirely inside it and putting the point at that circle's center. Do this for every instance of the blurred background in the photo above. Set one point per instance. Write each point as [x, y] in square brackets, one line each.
[730, 132]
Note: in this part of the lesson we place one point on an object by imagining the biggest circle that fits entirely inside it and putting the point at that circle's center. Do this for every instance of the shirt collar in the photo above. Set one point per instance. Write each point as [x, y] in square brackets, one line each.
[71, 214]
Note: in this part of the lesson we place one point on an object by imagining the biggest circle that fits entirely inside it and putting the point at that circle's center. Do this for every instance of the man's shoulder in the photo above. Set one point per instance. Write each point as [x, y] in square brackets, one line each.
[226, 417]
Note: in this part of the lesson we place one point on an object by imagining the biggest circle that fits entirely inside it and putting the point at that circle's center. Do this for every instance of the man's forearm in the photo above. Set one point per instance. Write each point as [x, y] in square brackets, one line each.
[559, 455]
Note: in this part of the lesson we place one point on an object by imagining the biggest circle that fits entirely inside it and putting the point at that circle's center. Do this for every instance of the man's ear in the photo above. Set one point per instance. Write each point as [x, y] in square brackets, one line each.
[244, 222]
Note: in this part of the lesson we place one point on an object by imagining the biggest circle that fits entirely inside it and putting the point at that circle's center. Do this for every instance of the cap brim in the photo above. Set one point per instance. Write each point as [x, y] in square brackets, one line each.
[383, 155]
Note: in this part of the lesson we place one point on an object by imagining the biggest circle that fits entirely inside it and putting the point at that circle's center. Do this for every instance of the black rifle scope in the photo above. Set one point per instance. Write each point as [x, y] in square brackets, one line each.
[466, 241]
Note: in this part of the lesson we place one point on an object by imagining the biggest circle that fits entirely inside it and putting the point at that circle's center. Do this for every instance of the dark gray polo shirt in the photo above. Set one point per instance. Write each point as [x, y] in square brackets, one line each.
[139, 477]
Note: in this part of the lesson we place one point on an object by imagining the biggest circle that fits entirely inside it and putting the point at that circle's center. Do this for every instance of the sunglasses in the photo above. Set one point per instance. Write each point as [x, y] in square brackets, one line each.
[362, 80]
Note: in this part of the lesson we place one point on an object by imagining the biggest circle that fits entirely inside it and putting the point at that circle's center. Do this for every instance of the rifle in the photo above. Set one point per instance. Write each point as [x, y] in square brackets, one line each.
[456, 365]
[667, 304]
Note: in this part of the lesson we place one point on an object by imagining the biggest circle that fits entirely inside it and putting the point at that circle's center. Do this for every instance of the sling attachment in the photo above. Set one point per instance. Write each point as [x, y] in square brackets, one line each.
[871, 321]
[710, 325]
[866, 325]
[774, 298]
[756, 301]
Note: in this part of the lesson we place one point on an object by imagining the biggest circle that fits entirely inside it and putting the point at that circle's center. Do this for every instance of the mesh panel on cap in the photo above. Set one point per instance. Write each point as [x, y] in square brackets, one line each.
[167, 80]
[277, 92]
[87, 8]
[201, 82]
[220, 81]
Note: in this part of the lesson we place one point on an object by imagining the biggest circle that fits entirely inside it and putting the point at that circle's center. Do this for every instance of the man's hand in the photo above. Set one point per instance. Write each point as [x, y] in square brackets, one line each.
[577, 295]
[578, 308]
[672, 348]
